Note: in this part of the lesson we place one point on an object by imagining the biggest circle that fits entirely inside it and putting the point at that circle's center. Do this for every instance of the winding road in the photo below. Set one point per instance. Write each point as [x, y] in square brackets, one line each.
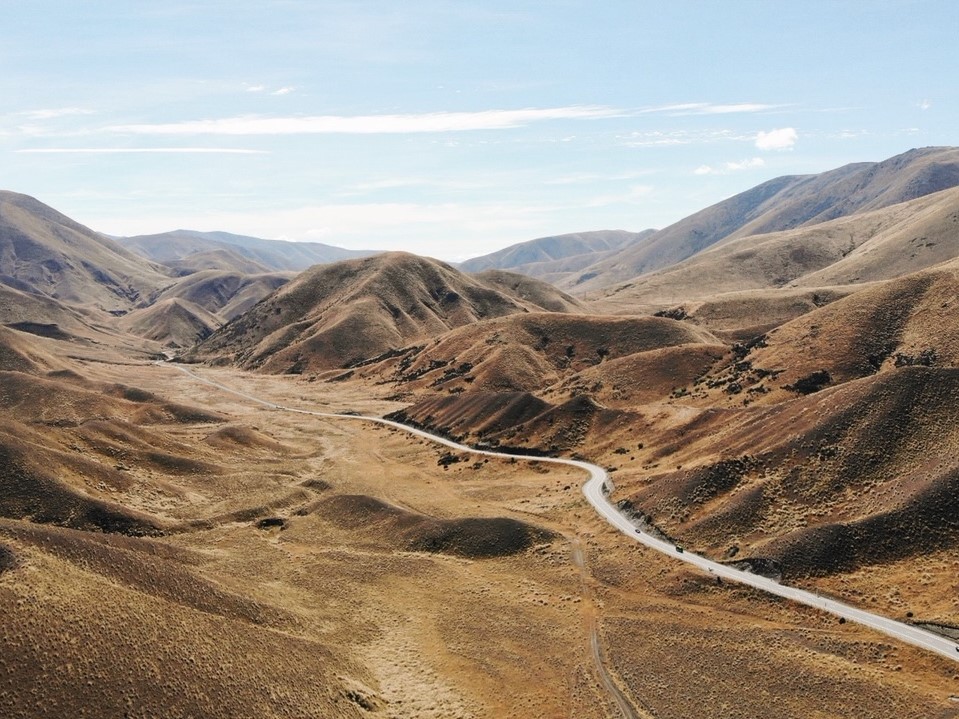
[596, 489]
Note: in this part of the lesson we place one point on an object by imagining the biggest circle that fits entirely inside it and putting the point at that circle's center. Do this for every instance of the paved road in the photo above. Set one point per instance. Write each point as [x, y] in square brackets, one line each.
[595, 492]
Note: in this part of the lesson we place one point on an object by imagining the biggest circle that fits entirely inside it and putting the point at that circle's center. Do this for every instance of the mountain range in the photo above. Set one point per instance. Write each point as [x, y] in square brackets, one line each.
[771, 382]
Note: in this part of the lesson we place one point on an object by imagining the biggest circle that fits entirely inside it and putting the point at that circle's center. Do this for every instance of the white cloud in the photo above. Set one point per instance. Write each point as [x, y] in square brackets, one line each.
[709, 108]
[782, 139]
[738, 107]
[255, 88]
[591, 177]
[924, 104]
[53, 113]
[370, 124]
[665, 138]
[139, 150]
[283, 90]
[749, 164]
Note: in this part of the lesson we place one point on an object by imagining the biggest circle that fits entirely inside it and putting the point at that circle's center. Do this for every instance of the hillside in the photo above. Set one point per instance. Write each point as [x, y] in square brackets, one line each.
[865, 247]
[902, 322]
[825, 444]
[808, 431]
[222, 259]
[226, 294]
[174, 323]
[349, 312]
[540, 256]
[530, 352]
[190, 248]
[45, 252]
[780, 204]
[196, 305]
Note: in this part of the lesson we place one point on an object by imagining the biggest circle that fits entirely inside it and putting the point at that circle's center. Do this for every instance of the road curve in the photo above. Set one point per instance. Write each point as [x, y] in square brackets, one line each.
[595, 491]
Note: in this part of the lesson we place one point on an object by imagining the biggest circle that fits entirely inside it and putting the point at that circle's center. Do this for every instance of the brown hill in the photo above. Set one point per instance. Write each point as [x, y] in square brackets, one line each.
[274, 255]
[222, 259]
[529, 352]
[641, 378]
[66, 454]
[902, 322]
[472, 537]
[173, 322]
[336, 315]
[539, 257]
[50, 254]
[80, 636]
[780, 204]
[521, 422]
[742, 316]
[223, 293]
[195, 306]
[865, 247]
[527, 289]
[856, 475]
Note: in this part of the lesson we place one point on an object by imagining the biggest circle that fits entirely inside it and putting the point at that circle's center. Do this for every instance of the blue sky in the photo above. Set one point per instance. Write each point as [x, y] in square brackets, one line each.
[453, 128]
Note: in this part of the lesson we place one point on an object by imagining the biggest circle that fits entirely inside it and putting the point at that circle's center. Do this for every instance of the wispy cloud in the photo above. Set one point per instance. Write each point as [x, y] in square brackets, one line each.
[590, 177]
[709, 108]
[53, 113]
[724, 169]
[924, 104]
[370, 124]
[258, 88]
[139, 150]
[388, 184]
[782, 139]
[665, 138]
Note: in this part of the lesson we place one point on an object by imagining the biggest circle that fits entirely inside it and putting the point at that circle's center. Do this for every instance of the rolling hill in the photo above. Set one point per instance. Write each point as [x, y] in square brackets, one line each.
[558, 254]
[783, 203]
[861, 248]
[802, 421]
[530, 352]
[198, 304]
[45, 252]
[352, 311]
[190, 248]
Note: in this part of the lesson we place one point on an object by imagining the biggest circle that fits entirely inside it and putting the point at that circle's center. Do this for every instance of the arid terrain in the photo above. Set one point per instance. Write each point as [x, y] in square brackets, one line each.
[782, 397]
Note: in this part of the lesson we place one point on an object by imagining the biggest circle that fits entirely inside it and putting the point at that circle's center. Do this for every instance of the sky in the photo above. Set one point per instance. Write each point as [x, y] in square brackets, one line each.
[453, 128]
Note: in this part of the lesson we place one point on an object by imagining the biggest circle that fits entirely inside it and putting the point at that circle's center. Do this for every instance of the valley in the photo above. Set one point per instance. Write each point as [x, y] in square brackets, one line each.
[226, 535]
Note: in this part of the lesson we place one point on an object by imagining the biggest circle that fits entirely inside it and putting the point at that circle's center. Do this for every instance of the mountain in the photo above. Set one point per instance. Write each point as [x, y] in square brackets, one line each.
[45, 252]
[824, 446]
[136, 502]
[865, 247]
[180, 247]
[200, 303]
[539, 257]
[218, 259]
[223, 293]
[540, 294]
[783, 203]
[902, 322]
[529, 352]
[348, 312]
[174, 323]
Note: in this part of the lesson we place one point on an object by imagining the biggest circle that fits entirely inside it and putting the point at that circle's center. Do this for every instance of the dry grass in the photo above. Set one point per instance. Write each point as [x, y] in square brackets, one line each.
[339, 315]
[322, 613]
